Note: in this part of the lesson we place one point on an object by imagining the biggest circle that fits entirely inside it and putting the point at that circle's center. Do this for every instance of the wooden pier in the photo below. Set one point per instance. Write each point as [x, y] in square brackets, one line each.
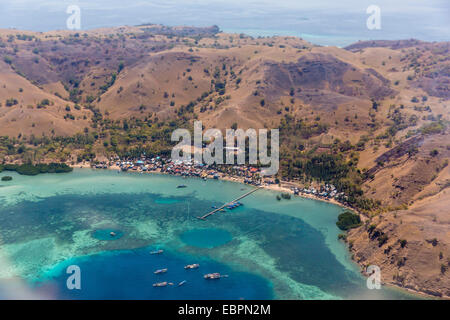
[228, 203]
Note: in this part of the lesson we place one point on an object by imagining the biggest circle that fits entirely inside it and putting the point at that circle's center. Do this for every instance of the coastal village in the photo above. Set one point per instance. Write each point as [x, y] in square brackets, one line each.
[237, 173]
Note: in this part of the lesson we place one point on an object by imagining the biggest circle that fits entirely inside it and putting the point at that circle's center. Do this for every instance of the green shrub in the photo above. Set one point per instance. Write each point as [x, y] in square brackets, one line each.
[11, 102]
[286, 196]
[382, 239]
[403, 243]
[342, 236]
[371, 228]
[348, 220]
[32, 170]
[7, 59]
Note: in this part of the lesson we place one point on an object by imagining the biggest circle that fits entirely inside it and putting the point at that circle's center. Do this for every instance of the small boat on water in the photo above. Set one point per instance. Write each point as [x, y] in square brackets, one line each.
[157, 252]
[181, 283]
[181, 186]
[112, 234]
[160, 271]
[192, 266]
[160, 284]
[213, 276]
[234, 205]
[163, 284]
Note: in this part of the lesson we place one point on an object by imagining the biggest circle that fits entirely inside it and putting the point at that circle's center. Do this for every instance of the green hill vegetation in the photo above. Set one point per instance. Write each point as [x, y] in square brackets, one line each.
[32, 170]
[348, 220]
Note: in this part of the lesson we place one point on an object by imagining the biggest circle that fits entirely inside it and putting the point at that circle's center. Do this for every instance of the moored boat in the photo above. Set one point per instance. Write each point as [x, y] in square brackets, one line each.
[181, 283]
[160, 271]
[160, 284]
[213, 276]
[157, 252]
[192, 266]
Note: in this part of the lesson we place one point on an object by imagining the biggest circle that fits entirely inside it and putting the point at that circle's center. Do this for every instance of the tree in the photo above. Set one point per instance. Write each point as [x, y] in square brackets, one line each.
[374, 105]
[348, 220]
[11, 102]
[7, 59]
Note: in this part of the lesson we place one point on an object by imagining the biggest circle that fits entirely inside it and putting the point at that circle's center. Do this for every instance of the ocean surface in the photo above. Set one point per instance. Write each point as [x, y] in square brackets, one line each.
[324, 22]
[268, 249]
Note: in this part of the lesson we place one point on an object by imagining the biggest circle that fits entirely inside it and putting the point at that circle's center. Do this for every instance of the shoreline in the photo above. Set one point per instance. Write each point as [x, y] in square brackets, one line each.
[226, 177]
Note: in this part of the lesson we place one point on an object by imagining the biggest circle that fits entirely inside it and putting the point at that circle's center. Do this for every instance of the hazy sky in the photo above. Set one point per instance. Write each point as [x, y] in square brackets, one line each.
[321, 21]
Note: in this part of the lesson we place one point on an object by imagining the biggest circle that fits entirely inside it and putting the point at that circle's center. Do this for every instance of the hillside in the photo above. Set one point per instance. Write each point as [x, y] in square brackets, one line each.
[372, 118]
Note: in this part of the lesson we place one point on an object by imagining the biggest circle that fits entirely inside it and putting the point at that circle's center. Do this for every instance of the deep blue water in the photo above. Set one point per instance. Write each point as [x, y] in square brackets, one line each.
[128, 274]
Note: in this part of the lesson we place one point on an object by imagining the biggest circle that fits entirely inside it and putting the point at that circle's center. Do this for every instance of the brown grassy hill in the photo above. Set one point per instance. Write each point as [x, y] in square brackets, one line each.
[32, 110]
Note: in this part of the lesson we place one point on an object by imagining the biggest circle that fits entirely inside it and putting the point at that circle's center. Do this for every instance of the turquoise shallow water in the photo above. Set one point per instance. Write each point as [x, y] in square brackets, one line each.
[269, 249]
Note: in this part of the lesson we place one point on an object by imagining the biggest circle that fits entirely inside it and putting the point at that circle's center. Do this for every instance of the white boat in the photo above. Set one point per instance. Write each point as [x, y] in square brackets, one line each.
[160, 271]
[213, 276]
[160, 284]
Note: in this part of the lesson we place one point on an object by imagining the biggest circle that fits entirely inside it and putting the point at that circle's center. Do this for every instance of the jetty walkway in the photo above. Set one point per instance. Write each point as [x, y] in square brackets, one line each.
[228, 203]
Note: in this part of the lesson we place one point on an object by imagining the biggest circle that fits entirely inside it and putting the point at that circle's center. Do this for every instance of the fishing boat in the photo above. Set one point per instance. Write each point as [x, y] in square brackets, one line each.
[112, 234]
[181, 283]
[159, 271]
[192, 266]
[213, 276]
[157, 252]
[160, 284]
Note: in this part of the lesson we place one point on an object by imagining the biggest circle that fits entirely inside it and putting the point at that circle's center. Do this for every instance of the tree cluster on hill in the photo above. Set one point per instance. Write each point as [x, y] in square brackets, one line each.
[334, 163]
[348, 220]
[32, 170]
